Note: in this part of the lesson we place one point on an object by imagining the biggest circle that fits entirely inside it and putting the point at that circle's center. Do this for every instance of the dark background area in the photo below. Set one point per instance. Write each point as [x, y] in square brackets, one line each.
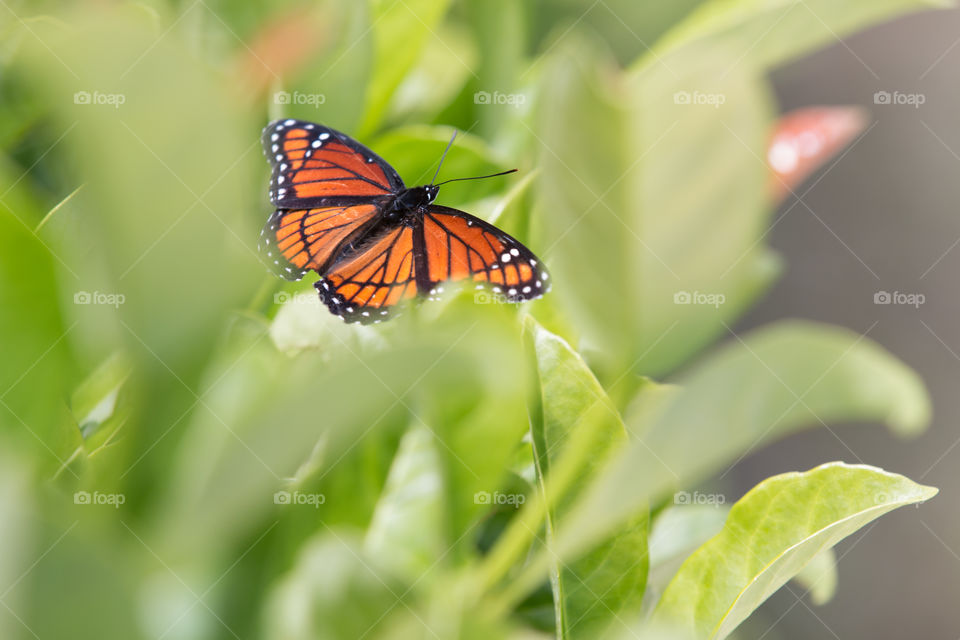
[883, 218]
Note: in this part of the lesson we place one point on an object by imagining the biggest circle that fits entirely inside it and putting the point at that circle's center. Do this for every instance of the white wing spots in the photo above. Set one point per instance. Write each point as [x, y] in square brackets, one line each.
[283, 166]
[280, 180]
[511, 291]
[526, 289]
[533, 262]
[514, 252]
[279, 157]
[545, 276]
[505, 257]
[289, 122]
[539, 284]
[274, 137]
[275, 148]
[316, 144]
[310, 126]
[281, 192]
[324, 135]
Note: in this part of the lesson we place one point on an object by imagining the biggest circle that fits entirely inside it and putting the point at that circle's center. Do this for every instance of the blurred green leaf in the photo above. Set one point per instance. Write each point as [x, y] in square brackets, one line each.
[35, 369]
[335, 591]
[675, 533]
[664, 199]
[819, 577]
[412, 20]
[774, 531]
[768, 33]
[756, 389]
[406, 530]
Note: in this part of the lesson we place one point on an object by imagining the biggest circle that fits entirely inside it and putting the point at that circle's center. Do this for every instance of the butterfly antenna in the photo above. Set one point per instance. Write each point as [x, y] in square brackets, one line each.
[492, 175]
[444, 156]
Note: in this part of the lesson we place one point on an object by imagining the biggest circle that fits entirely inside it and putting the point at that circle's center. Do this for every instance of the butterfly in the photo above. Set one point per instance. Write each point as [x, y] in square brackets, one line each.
[345, 213]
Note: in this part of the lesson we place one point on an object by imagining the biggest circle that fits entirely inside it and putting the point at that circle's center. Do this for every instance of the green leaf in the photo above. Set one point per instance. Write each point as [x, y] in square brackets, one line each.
[334, 591]
[406, 531]
[771, 534]
[675, 533]
[770, 383]
[414, 21]
[664, 199]
[770, 33]
[577, 429]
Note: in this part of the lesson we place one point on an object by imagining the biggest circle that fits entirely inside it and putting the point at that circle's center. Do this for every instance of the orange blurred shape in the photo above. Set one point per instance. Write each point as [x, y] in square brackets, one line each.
[281, 47]
[805, 139]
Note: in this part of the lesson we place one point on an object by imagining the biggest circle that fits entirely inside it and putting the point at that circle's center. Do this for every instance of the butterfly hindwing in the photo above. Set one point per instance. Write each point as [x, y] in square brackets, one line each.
[298, 240]
[459, 247]
[369, 284]
[315, 165]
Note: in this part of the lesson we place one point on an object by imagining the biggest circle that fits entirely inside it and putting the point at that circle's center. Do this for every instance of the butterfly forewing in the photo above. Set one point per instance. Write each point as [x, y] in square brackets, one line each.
[315, 165]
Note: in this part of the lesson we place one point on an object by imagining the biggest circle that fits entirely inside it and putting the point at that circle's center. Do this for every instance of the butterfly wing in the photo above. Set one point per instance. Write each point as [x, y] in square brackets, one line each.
[314, 165]
[296, 241]
[459, 247]
[369, 284]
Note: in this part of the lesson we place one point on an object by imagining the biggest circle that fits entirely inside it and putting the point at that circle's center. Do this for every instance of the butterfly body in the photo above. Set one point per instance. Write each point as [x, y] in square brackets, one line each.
[345, 213]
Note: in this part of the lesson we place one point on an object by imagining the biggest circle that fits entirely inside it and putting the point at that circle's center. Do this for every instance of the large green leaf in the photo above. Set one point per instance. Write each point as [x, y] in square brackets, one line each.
[575, 429]
[771, 533]
[764, 386]
[665, 199]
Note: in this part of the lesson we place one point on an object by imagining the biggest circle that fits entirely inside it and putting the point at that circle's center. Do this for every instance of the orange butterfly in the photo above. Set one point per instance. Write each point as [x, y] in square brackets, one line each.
[343, 212]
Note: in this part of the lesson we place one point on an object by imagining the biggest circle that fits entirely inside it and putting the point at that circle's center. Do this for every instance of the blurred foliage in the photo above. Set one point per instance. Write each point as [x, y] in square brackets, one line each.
[192, 449]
